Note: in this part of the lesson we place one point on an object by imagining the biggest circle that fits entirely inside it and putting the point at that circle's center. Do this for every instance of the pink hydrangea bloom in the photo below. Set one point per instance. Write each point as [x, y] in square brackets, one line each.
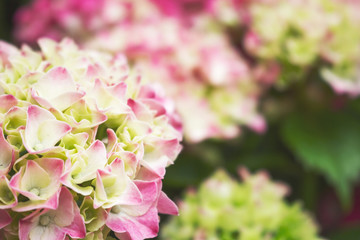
[79, 135]
[199, 68]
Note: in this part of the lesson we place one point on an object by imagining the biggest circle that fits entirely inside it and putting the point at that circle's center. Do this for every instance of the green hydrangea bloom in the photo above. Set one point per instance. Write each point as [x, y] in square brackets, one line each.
[302, 34]
[255, 209]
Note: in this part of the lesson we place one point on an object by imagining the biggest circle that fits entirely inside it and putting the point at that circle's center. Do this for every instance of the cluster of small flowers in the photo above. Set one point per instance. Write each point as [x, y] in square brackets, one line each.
[224, 209]
[288, 39]
[300, 36]
[84, 145]
[200, 69]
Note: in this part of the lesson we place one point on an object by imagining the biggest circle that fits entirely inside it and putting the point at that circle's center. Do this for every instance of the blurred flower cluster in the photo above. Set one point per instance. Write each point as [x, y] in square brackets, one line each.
[224, 209]
[200, 69]
[84, 145]
[300, 35]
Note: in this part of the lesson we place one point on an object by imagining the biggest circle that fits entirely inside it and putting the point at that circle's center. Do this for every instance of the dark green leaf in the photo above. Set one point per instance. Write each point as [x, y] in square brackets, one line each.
[328, 142]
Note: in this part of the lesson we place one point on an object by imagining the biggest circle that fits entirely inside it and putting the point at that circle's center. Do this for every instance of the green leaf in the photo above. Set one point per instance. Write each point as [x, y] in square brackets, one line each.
[328, 142]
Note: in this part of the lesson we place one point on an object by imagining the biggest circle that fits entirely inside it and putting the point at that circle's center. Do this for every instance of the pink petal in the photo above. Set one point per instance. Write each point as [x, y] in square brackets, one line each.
[77, 227]
[149, 192]
[5, 219]
[119, 90]
[42, 130]
[166, 206]
[7, 102]
[139, 228]
[112, 139]
[131, 195]
[141, 111]
[51, 203]
[7, 154]
[163, 155]
[57, 88]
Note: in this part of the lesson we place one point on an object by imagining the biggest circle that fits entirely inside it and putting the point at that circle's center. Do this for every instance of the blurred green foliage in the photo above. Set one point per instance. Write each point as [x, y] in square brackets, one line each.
[328, 142]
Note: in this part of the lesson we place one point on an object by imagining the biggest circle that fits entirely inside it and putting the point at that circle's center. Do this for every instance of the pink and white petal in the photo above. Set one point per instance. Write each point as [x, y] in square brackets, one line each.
[112, 139]
[15, 180]
[51, 203]
[68, 182]
[51, 232]
[54, 166]
[119, 90]
[77, 228]
[139, 228]
[341, 85]
[64, 214]
[7, 102]
[5, 218]
[96, 159]
[149, 192]
[155, 105]
[7, 154]
[7, 50]
[131, 194]
[140, 110]
[166, 206]
[145, 174]
[51, 131]
[157, 167]
[65, 100]
[131, 162]
[100, 196]
[34, 176]
[25, 226]
[55, 82]
[40, 100]
[42, 122]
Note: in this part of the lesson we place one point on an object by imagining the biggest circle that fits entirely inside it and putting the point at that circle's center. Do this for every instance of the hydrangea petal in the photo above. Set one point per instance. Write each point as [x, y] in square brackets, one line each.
[42, 130]
[56, 89]
[166, 206]
[7, 102]
[113, 187]
[139, 228]
[8, 197]
[5, 218]
[49, 224]
[7, 154]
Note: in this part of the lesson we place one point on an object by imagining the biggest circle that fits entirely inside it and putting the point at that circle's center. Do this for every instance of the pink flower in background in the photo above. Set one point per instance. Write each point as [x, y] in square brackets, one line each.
[198, 67]
[185, 9]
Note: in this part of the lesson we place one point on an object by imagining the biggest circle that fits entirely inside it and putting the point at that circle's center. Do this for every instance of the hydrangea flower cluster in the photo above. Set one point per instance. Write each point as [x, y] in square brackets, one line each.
[299, 33]
[84, 145]
[201, 70]
[287, 39]
[225, 209]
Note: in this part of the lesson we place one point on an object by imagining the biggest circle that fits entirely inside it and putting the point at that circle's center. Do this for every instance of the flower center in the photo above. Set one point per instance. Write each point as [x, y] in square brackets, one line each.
[44, 220]
[35, 191]
[116, 209]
